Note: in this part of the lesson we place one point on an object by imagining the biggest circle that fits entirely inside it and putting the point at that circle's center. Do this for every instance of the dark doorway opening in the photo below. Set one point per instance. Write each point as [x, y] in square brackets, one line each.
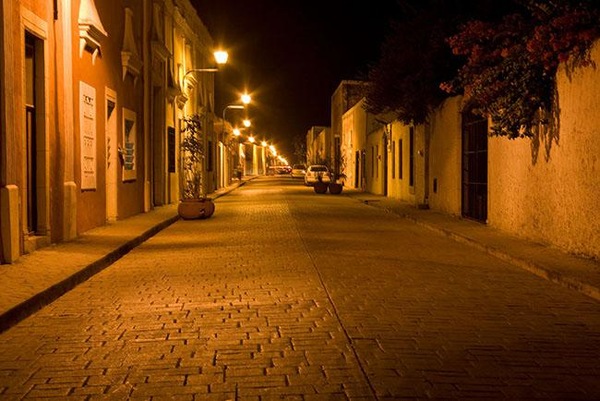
[474, 166]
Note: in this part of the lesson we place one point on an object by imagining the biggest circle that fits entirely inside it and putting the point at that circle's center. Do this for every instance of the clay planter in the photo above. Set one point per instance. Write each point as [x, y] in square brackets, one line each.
[320, 187]
[335, 188]
[190, 209]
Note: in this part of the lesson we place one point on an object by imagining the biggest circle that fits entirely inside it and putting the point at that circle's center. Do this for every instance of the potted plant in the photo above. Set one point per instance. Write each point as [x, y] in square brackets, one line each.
[336, 184]
[194, 203]
[320, 187]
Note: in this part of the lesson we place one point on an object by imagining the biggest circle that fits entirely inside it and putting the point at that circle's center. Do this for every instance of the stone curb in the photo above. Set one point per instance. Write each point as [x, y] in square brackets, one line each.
[530, 266]
[43, 298]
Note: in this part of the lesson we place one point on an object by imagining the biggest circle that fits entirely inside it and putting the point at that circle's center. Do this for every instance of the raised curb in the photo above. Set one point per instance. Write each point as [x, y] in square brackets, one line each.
[28, 307]
[531, 266]
[47, 296]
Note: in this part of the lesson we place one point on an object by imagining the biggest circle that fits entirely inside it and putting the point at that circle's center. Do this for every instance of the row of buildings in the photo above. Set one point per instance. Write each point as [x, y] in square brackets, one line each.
[543, 188]
[92, 95]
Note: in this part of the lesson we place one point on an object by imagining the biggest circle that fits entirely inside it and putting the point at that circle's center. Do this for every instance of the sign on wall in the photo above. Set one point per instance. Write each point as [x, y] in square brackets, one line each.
[87, 129]
[129, 145]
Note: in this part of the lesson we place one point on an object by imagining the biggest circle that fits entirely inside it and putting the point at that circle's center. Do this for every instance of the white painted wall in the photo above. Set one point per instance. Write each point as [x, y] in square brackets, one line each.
[445, 157]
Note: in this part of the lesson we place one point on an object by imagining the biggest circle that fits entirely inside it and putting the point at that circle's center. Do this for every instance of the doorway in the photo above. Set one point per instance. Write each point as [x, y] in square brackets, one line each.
[34, 130]
[474, 166]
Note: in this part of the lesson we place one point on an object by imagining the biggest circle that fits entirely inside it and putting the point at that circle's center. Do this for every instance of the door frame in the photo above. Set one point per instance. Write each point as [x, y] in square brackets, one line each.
[474, 169]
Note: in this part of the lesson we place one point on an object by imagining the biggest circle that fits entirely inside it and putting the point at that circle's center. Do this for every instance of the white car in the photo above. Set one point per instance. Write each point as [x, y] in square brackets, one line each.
[316, 173]
[298, 171]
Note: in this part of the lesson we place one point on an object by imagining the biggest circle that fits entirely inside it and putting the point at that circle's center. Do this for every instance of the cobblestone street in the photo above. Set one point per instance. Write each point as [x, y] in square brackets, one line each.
[285, 294]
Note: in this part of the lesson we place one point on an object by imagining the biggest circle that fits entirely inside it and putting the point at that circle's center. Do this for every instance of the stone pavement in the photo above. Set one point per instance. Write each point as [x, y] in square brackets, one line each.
[552, 264]
[39, 278]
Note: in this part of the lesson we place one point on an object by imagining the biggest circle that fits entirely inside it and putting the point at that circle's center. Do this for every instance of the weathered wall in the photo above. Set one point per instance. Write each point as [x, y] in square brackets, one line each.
[398, 169]
[353, 140]
[445, 157]
[547, 188]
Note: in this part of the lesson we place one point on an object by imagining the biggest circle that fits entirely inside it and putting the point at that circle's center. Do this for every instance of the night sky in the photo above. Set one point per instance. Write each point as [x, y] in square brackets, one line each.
[291, 56]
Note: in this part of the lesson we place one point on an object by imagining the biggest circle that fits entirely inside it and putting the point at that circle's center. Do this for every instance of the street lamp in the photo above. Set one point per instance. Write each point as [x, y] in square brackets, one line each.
[231, 106]
[220, 58]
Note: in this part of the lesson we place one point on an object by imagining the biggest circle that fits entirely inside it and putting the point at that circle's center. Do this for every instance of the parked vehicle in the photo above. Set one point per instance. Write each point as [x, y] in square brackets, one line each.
[277, 170]
[316, 173]
[298, 171]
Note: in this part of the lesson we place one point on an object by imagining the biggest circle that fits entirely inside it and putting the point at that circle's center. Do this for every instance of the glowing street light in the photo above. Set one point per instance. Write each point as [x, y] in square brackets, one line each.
[251, 139]
[247, 123]
[221, 56]
[246, 98]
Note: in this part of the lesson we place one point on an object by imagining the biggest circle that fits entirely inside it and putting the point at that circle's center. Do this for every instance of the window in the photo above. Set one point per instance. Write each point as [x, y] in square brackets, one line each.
[171, 149]
[372, 161]
[209, 155]
[393, 159]
[411, 156]
[400, 159]
[376, 155]
[129, 145]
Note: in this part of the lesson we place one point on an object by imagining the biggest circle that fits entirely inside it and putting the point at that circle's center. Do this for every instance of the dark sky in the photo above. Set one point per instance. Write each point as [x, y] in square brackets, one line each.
[291, 55]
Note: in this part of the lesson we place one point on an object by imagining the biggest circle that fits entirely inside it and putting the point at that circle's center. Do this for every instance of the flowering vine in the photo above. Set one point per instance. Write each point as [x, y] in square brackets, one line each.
[510, 66]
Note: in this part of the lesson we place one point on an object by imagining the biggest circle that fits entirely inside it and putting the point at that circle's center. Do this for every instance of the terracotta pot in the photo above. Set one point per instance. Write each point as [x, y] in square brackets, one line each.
[335, 188]
[190, 209]
[320, 187]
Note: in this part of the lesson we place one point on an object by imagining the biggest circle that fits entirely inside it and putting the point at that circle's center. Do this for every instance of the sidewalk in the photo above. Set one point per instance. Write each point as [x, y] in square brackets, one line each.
[39, 278]
[573, 272]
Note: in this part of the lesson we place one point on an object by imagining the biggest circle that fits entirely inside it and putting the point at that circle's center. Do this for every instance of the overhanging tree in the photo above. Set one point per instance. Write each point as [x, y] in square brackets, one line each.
[415, 57]
[510, 66]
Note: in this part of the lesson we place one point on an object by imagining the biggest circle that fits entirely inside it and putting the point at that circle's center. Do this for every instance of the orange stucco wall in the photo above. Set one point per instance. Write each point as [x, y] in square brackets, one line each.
[105, 72]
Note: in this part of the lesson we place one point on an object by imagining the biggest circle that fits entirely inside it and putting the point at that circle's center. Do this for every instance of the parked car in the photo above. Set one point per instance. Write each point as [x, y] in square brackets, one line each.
[276, 170]
[315, 173]
[298, 171]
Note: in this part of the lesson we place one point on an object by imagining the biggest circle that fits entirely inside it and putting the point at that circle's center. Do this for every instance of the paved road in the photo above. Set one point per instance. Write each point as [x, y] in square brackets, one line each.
[285, 294]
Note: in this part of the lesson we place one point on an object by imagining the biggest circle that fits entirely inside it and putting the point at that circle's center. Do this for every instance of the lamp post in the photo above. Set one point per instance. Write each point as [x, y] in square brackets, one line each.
[231, 106]
[220, 58]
